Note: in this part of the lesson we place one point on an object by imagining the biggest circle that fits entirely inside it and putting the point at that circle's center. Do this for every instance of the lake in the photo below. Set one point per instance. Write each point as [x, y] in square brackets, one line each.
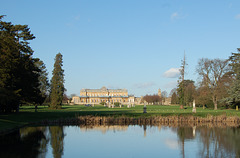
[133, 141]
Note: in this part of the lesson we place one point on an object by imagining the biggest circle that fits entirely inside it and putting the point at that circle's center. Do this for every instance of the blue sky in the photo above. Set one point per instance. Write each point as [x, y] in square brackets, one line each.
[132, 44]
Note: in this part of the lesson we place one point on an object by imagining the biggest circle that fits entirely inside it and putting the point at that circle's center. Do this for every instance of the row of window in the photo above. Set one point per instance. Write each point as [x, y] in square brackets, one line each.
[97, 95]
[75, 100]
[103, 100]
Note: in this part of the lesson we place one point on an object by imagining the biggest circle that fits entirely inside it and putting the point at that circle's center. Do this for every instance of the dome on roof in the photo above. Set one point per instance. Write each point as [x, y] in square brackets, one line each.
[103, 88]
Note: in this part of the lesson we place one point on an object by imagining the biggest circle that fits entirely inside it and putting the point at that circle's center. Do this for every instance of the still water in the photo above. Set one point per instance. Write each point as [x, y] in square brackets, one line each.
[121, 142]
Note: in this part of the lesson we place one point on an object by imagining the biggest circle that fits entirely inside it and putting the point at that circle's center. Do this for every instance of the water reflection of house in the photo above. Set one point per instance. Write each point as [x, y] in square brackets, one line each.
[96, 96]
[103, 129]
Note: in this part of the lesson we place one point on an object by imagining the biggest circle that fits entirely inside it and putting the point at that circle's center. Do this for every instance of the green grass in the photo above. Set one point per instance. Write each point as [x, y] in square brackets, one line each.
[27, 114]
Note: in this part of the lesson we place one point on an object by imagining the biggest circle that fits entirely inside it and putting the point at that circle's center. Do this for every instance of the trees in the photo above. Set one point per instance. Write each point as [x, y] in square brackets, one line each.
[65, 98]
[9, 100]
[181, 82]
[203, 96]
[234, 91]
[185, 92]
[164, 95]
[174, 98]
[174, 90]
[213, 73]
[18, 72]
[43, 80]
[29, 84]
[189, 91]
[43, 84]
[57, 140]
[57, 83]
[153, 99]
[14, 53]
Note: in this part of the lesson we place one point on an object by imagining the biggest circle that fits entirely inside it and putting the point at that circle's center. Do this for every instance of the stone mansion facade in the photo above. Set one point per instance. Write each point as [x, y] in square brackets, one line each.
[97, 96]
[111, 96]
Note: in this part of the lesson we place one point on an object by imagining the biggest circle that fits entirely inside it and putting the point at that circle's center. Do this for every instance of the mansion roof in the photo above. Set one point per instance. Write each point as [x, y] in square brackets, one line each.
[103, 89]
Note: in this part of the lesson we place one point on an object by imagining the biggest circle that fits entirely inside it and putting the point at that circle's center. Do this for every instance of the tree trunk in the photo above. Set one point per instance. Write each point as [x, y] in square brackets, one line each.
[215, 106]
[215, 102]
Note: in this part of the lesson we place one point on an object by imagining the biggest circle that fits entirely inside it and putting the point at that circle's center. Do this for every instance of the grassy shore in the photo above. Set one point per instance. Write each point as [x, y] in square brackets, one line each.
[28, 115]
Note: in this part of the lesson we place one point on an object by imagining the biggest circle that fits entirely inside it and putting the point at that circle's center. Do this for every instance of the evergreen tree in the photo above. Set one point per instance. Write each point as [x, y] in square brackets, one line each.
[18, 73]
[174, 99]
[189, 91]
[43, 80]
[186, 90]
[57, 138]
[57, 83]
[234, 91]
[181, 85]
[14, 53]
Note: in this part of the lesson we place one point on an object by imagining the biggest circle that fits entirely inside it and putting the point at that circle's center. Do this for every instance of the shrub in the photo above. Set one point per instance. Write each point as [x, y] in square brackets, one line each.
[116, 104]
[102, 103]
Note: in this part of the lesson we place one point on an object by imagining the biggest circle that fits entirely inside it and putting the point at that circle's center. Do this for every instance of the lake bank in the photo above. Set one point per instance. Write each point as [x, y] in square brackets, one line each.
[155, 114]
[153, 121]
[172, 121]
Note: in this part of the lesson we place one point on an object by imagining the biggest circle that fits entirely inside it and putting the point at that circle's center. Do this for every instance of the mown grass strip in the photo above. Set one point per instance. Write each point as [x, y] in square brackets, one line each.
[28, 115]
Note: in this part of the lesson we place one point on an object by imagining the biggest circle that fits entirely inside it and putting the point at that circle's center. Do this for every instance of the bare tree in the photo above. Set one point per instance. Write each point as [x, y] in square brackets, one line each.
[212, 73]
[203, 96]
[164, 94]
[174, 90]
[153, 99]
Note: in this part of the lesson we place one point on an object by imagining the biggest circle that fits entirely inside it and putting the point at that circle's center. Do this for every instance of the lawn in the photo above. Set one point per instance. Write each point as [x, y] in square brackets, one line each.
[28, 115]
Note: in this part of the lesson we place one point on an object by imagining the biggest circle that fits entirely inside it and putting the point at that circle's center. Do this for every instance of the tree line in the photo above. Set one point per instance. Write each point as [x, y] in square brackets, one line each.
[23, 78]
[219, 84]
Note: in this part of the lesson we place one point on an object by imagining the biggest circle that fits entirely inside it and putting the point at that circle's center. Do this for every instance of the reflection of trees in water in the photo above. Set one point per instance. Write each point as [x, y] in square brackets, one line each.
[32, 142]
[184, 133]
[24, 143]
[24, 132]
[57, 136]
[214, 142]
[220, 142]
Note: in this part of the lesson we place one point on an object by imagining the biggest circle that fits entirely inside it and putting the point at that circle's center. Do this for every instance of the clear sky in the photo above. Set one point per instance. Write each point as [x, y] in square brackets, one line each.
[132, 44]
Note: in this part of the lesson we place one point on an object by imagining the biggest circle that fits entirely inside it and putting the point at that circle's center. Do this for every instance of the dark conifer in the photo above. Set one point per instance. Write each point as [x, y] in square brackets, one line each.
[18, 72]
[57, 83]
